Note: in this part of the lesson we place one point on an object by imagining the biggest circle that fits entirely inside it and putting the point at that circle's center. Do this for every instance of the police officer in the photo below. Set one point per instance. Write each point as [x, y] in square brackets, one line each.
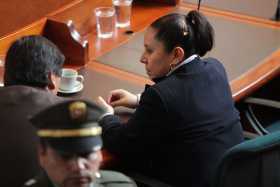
[70, 148]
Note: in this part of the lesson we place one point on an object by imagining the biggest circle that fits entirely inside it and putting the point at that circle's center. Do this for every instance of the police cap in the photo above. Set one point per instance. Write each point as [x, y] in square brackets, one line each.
[70, 126]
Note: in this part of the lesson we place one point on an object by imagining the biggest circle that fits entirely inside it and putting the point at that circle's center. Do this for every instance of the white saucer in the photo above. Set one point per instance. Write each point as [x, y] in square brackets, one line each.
[76, 89]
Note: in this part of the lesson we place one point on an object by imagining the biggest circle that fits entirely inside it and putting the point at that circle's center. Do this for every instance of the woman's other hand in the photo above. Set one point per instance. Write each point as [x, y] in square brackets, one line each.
[109, 110]
[124, 98]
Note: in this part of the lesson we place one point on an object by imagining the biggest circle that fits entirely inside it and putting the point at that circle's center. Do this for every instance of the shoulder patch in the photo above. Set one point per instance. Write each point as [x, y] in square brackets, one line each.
[30, 182]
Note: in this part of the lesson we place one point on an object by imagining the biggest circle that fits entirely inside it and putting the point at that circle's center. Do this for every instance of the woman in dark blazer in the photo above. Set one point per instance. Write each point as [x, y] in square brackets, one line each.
[187, 119]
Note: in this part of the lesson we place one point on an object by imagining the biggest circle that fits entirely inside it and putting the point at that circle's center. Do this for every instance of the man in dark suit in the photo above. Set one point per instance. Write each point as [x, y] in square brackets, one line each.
[70, 148]
[31, 75]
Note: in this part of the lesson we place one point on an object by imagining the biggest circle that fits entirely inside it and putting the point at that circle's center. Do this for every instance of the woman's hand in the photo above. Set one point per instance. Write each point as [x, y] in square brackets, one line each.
[109, 110]
[124, 98]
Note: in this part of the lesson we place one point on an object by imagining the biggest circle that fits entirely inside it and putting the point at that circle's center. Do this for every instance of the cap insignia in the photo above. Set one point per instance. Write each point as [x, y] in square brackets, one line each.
[78, 110]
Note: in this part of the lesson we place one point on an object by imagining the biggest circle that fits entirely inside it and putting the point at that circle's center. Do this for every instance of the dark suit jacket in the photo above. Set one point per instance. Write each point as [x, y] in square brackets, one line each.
[182, 126]
[18, 160]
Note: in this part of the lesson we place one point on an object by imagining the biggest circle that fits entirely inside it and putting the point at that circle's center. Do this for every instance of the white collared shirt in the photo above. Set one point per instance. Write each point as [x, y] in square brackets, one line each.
[188, 60]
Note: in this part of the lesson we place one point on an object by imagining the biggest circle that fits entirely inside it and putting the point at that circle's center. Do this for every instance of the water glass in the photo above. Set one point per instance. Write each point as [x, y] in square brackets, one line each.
[123, 12]
[105, 21]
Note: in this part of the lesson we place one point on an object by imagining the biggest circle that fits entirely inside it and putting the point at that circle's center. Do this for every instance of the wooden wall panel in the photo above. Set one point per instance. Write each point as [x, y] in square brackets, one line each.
[16, 14]
[35, 28]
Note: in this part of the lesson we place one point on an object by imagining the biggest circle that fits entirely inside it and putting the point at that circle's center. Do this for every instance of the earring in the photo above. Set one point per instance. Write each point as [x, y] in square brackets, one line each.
[172, 66]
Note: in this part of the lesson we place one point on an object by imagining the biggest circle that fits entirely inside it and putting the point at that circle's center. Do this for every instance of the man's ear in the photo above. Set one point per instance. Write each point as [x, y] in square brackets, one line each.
[41, 149]
[41, 152]
[52, 82]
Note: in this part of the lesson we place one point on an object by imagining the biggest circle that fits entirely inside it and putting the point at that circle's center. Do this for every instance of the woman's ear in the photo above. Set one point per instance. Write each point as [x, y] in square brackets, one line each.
[179, 54]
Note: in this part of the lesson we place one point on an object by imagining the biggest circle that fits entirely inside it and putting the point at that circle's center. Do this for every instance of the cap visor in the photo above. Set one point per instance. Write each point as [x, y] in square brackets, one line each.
[75, 145]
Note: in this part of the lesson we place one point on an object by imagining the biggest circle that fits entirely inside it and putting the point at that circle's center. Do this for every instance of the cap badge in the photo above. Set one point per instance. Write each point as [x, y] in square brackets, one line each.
[78, 110]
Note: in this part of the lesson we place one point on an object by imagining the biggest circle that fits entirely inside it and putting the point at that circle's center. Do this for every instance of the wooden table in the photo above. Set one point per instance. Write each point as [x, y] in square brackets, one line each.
[248, 46]
[257, 8]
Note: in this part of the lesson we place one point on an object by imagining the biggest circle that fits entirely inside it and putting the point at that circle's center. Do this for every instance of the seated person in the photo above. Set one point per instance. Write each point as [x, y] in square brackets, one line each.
[186, 120]
[70, 148]
[31, 75]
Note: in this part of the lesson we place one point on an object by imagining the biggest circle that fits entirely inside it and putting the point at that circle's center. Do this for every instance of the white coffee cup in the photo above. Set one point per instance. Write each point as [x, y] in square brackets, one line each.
[70, 79]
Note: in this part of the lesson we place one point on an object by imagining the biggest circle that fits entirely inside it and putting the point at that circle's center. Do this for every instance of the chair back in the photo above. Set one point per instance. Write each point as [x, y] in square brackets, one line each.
[253, 163]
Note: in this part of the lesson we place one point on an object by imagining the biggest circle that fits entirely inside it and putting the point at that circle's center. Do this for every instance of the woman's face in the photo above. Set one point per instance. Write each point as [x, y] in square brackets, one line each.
[157, 61]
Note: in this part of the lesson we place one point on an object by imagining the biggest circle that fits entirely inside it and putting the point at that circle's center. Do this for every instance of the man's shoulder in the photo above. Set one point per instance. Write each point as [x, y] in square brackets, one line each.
[116, 179]
[20, 93]
[22, 90]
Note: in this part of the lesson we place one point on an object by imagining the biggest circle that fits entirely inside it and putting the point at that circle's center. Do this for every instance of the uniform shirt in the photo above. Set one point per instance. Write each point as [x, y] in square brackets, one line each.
[107, 178]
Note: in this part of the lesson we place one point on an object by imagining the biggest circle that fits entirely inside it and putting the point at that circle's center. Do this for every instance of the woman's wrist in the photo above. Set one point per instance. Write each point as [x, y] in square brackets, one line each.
[138, 96]
[105, 114]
